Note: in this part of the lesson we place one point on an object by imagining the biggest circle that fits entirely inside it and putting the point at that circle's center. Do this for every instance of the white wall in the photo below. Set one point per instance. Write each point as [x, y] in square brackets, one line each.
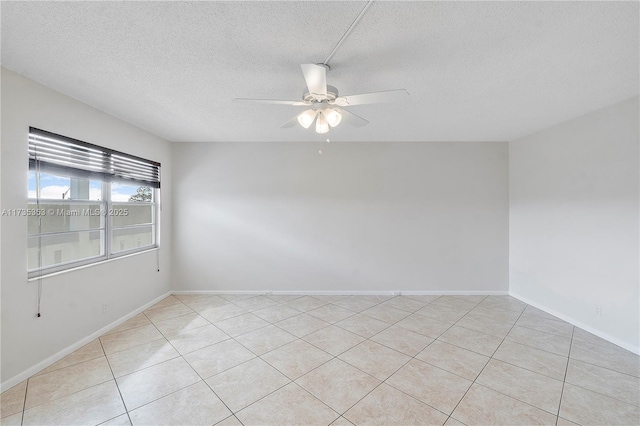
[72, 301]
[360, 217]
[574, 221]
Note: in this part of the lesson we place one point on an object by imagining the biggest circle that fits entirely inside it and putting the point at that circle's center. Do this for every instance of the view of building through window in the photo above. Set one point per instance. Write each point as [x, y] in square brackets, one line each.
[75, 220]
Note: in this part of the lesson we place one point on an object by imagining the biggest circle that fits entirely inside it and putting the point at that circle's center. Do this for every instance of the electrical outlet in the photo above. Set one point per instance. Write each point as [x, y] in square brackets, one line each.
[599, 310]
[105, 308]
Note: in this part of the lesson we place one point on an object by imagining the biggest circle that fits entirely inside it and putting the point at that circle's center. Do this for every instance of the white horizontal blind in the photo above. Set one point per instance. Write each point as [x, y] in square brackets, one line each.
[56, 154]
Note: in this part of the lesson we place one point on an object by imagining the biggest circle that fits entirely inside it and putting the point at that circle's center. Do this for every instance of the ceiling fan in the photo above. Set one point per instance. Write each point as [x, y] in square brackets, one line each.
[326, 107]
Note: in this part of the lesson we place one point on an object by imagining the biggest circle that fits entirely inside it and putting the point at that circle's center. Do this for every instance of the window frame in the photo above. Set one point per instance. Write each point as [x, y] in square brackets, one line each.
[46, 270]
[153, 224]
[106, 203]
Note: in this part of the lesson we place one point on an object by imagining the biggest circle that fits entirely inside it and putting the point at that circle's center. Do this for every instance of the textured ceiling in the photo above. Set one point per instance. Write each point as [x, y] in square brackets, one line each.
[474, 70]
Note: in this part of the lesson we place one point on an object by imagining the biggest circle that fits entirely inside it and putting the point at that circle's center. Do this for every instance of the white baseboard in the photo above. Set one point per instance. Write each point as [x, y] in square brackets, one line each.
[348, 292]
[454, 293]
[219, 292]
[9, 383]
[579, 324]
[330, 293]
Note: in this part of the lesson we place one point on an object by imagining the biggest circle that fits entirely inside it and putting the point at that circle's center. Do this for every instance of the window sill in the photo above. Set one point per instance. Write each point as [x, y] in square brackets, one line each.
[89, 265]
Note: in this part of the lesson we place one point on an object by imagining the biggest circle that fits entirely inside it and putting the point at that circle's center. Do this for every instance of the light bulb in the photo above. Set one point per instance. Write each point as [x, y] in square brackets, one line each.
[306, 118]
[333, 117]
[321, 124]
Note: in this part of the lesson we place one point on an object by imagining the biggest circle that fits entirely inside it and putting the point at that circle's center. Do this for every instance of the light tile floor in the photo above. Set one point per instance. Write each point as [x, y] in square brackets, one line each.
[339, 360]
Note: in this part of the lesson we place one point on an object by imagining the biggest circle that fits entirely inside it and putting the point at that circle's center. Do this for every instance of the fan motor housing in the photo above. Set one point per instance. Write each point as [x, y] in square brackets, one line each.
[332, 94]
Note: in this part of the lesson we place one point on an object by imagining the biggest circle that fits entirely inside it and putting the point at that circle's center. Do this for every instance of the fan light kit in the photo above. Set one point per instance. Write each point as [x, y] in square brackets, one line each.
[323, 118]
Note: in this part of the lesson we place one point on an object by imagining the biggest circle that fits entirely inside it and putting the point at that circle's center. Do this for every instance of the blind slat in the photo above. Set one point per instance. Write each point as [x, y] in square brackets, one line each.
[59, 154]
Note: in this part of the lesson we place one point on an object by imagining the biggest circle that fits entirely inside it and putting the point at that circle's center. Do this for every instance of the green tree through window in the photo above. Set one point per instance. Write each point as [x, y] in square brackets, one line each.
[143, 193]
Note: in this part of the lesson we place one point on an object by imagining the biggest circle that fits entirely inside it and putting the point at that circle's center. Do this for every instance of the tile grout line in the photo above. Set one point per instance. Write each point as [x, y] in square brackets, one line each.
[360, 313]
[483, 368]
[180, 355]
[217, 396]
[315, 368]
[381, 381]
[553, 334]
[506, 362]
[398, 369]
[597, 392]
[256, 356]
[109, 333]
[566, 370]
[490, 357]
[163, 362]
[503, 340]
[524, 368]
[296, 384]
[606, 368]
[385, 382]
[235, 417]
[259, 399]
[369, 339]
[332, 324]
[514, 398]
[567, 356]
[65, 395]
[124, 405]
[24, 402]
[535, 347]
[414, 357]
[326, 304]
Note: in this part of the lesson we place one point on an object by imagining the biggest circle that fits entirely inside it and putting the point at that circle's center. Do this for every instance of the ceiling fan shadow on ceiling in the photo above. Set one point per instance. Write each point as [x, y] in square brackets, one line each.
[325, 107]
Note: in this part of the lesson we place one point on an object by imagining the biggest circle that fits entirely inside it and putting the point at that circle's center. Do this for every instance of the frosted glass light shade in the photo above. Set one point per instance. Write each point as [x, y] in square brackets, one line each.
[333, 117]
[306, 118]
[321, 124]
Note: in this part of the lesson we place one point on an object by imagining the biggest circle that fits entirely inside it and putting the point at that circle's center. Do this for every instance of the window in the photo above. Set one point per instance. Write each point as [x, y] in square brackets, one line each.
[87, 203]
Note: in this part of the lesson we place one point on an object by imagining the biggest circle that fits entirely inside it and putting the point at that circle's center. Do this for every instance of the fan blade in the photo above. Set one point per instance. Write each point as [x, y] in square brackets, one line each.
[290, 123]
[273, 101]
[352, 119]
[372, 98]
[316, 78]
